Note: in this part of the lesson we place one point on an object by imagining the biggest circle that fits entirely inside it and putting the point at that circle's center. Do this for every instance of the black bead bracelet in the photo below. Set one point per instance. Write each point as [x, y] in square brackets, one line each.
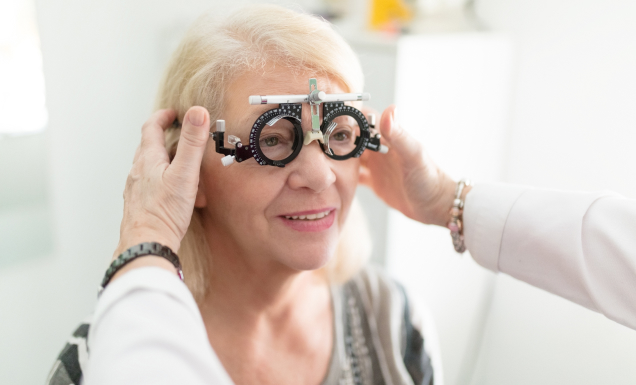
[146, 248]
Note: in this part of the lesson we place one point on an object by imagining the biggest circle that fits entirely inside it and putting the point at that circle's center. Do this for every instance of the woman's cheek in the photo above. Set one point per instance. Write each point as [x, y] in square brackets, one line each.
[353, 173]
[347, 179]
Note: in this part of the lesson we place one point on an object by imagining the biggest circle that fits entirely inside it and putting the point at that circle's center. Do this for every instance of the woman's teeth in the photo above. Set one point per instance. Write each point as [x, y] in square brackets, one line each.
[310, 217]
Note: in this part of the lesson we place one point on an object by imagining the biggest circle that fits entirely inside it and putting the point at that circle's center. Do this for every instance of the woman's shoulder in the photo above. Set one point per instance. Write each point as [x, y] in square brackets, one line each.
[383, 292]
[387, 318]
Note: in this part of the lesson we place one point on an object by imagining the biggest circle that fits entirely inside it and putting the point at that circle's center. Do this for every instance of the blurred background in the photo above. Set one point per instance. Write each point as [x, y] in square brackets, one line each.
[533, 92]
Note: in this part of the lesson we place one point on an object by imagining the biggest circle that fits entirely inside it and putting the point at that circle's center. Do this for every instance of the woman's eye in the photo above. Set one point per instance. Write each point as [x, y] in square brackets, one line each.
[340, 136]
[271, 141]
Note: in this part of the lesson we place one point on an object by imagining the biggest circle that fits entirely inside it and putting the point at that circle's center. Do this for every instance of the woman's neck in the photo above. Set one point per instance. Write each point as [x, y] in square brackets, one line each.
[269, 317]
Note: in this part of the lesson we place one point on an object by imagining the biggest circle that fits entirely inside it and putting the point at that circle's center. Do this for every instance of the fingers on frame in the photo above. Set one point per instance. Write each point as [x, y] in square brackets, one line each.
[192, 142]
[152, 132]
[386, 121]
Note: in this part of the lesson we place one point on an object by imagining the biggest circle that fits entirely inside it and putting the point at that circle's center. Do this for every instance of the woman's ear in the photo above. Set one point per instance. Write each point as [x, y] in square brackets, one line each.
[200, 201]
[364, 175]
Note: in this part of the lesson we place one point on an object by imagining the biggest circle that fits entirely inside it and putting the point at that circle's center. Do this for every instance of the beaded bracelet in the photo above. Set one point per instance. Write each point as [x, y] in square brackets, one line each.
[455, 225]
[146, 248]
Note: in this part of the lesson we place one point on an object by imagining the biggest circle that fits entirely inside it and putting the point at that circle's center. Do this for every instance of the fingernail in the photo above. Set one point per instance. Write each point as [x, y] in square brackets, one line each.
[196, 117]
[394, 118]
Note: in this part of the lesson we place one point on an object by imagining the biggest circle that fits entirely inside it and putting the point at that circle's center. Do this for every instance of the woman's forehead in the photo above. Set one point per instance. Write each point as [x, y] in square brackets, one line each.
[279, 81]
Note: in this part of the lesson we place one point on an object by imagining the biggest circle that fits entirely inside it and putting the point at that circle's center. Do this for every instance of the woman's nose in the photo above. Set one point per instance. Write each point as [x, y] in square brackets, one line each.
[311, 169]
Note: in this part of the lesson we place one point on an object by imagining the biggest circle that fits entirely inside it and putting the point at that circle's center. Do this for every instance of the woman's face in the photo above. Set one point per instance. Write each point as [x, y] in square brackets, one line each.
[249, 209]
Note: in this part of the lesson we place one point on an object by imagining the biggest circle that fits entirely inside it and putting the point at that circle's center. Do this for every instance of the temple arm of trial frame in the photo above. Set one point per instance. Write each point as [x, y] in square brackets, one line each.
[218, 137]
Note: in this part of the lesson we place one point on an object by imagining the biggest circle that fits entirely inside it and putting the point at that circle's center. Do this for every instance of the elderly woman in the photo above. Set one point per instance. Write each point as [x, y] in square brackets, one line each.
[273, 256]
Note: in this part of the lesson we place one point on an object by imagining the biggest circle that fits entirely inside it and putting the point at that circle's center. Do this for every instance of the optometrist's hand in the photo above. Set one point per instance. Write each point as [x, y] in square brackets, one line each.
[406, 178]
[159, 195]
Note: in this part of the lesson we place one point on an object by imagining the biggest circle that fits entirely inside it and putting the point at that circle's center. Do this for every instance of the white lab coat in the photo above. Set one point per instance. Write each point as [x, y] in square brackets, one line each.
[580, 246]
[147, 329]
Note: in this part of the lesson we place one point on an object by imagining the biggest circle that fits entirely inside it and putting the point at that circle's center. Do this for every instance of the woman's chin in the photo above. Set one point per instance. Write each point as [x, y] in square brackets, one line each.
[306, 260]
[306, 251]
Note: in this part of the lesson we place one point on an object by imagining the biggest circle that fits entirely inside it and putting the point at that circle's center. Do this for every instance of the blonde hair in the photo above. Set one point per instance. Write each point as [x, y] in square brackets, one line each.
[211, 56]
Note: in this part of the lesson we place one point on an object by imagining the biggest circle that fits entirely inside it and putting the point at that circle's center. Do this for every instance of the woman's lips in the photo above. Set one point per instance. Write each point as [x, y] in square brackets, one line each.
[310, 221]
[309, 212]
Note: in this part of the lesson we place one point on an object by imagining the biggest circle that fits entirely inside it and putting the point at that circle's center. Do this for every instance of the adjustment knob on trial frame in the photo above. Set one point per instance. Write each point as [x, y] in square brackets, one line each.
[227, 160]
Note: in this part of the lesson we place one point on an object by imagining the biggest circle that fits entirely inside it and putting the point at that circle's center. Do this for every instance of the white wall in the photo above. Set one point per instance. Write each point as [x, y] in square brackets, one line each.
[574, 122]
[573, 126]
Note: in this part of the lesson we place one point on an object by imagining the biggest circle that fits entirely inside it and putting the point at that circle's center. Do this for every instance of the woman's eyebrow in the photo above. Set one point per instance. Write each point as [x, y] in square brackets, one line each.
[246, 120]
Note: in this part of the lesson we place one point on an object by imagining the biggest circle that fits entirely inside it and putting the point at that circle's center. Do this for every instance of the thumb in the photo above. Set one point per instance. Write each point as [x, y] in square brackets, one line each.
[398, 139]
[195, 132]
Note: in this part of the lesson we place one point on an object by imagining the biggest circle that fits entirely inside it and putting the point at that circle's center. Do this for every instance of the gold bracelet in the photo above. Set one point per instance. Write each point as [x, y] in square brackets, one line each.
[455, 225]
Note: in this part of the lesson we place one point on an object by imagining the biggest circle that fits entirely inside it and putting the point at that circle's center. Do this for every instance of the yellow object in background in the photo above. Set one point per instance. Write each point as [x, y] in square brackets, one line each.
[389, 15]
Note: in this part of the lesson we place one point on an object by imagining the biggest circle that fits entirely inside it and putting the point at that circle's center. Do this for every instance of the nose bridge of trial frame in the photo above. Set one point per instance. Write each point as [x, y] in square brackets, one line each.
[314, 98]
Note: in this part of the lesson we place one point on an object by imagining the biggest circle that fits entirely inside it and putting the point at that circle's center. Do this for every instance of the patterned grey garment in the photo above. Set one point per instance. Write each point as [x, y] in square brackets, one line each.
[67, 369]
[361, 361]
[361, 364]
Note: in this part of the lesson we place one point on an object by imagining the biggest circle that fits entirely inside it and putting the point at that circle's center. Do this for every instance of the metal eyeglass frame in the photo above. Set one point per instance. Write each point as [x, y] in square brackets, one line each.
[290, 108]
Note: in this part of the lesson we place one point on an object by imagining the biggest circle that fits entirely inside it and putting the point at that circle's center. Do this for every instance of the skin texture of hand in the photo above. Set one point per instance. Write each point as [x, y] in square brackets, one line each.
[406, 178]
[159, 196]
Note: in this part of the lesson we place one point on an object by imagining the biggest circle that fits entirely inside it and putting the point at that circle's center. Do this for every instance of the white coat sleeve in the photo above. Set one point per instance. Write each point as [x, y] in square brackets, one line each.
[147, 329]
[580, 246]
